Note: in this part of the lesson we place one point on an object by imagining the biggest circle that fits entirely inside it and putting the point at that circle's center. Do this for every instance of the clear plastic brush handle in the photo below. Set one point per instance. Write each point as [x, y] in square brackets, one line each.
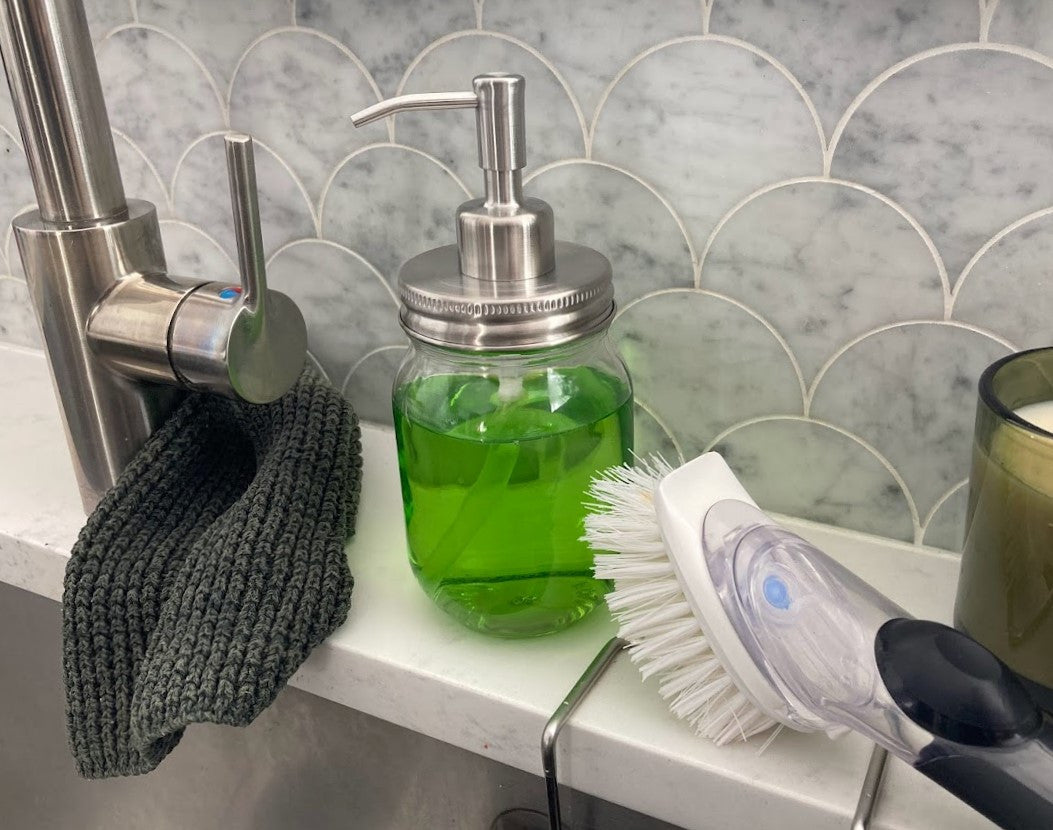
[808, 623]
[843, 656]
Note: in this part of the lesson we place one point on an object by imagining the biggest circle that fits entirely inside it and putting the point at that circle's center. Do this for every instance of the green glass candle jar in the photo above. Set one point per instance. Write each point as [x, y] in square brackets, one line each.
[1005, 592]
[512, 397]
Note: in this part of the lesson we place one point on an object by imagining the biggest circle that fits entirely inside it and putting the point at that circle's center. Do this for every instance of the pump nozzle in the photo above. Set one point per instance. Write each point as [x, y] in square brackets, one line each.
[501, 288]
[503, 235]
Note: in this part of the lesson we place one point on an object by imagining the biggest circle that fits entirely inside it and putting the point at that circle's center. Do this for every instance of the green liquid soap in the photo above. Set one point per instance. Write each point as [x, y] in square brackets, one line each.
[494, 474]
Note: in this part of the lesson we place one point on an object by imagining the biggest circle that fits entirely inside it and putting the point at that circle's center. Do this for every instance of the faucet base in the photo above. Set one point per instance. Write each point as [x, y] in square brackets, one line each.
[107, 417]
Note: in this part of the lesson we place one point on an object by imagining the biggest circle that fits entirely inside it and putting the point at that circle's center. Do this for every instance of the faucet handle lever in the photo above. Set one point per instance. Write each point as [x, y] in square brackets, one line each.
[241, 171]
[251, 346]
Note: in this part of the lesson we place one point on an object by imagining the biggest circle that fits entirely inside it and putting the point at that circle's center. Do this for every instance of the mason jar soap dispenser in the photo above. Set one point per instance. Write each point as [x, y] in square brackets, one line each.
[511, 397]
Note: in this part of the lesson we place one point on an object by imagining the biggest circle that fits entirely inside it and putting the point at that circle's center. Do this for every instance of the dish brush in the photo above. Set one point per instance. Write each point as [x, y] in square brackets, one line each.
[747, 626]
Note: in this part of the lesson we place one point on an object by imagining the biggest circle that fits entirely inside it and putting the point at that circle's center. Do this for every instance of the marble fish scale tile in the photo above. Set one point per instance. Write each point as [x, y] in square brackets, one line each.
[910, 392]
[691, 119]
[704, 364]
[590, 40]
[165, 108]
[836, 478]
[819, 260]
[387, 34]
[961, 140]
[140, 177]
[18, 324]
[1009, 288]
[410, 206]
[652, 437]
[295, 90]
[16, 191]
[834, 47]
[218, 32]
[554, 125]
[611, 211]
[202, 197]
[368, 384]
[12, 257]
[946, 526]
[1027, 23]
[349, 309]
[191, 252]
[104, 15]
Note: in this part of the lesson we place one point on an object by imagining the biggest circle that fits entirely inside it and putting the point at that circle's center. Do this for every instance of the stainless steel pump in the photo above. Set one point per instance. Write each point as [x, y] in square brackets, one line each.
[122, 337]
[507, 285]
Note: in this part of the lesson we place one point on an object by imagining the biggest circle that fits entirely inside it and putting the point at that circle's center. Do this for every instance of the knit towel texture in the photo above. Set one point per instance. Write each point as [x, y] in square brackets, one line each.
[207, 574]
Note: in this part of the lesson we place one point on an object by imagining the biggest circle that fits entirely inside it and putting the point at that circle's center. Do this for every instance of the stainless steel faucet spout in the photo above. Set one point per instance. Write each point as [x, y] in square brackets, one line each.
[122, 338]
[61, 113]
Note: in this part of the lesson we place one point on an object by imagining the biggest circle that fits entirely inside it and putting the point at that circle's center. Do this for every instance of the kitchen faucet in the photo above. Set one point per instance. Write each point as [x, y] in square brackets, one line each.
[123, 338]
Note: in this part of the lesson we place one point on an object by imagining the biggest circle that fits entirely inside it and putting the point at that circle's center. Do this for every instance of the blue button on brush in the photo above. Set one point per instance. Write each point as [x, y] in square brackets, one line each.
[776, 592]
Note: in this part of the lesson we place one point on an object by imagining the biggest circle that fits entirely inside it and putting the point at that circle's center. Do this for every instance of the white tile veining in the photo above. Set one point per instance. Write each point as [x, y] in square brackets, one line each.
[824, 216]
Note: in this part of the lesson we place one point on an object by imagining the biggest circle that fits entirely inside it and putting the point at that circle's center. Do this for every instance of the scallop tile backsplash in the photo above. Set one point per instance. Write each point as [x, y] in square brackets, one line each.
[825, 216]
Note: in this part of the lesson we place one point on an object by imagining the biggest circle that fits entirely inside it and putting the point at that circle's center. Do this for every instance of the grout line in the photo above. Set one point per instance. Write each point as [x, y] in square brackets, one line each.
[707, 11]
[315, 219]
[526, 47]
[186, 152]
[292, 13]
[924, 528]
[729, 41]
[990, 243]
[621, 73]
[358, 363]
[991, 335]
[149, 27]
[941, 268]
[896, 68]
[296, 180]
[911, 505]
[149, 165]
[774, 332]
[737, 304]
[662, 425]
[14, 136]
[8, 236]
[302, 30]
[479, 4]
[785, 71]
[206, 235]
[133, 7]
[841, 350]
[349, 251]
[553, 165]
[987, 11]
[378, 145]
[317, 366]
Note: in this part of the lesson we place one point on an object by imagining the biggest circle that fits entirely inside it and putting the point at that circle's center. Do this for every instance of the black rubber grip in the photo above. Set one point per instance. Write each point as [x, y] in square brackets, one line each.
[952, 686]
[991, 745]
[986, 786]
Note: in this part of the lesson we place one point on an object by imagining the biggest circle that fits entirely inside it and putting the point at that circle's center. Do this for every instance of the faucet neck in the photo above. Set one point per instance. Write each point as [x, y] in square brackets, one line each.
[55, 87]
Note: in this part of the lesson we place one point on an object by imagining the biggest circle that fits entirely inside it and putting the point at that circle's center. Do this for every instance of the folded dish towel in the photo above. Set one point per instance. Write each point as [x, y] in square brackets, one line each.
[207, 574]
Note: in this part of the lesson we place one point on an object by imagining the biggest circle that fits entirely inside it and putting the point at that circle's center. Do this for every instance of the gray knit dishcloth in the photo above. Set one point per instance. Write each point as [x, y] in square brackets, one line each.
[207, 574]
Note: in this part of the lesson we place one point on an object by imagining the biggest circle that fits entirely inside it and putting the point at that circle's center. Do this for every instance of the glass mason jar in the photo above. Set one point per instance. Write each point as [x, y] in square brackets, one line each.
[1005, 591]
[496, 452]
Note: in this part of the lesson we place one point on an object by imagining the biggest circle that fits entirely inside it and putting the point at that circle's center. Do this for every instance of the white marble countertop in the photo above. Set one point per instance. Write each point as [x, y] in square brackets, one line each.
[401, 659]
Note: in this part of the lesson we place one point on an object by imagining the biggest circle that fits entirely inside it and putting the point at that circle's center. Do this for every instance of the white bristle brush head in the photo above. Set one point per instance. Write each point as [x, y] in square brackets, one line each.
[654, 615]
